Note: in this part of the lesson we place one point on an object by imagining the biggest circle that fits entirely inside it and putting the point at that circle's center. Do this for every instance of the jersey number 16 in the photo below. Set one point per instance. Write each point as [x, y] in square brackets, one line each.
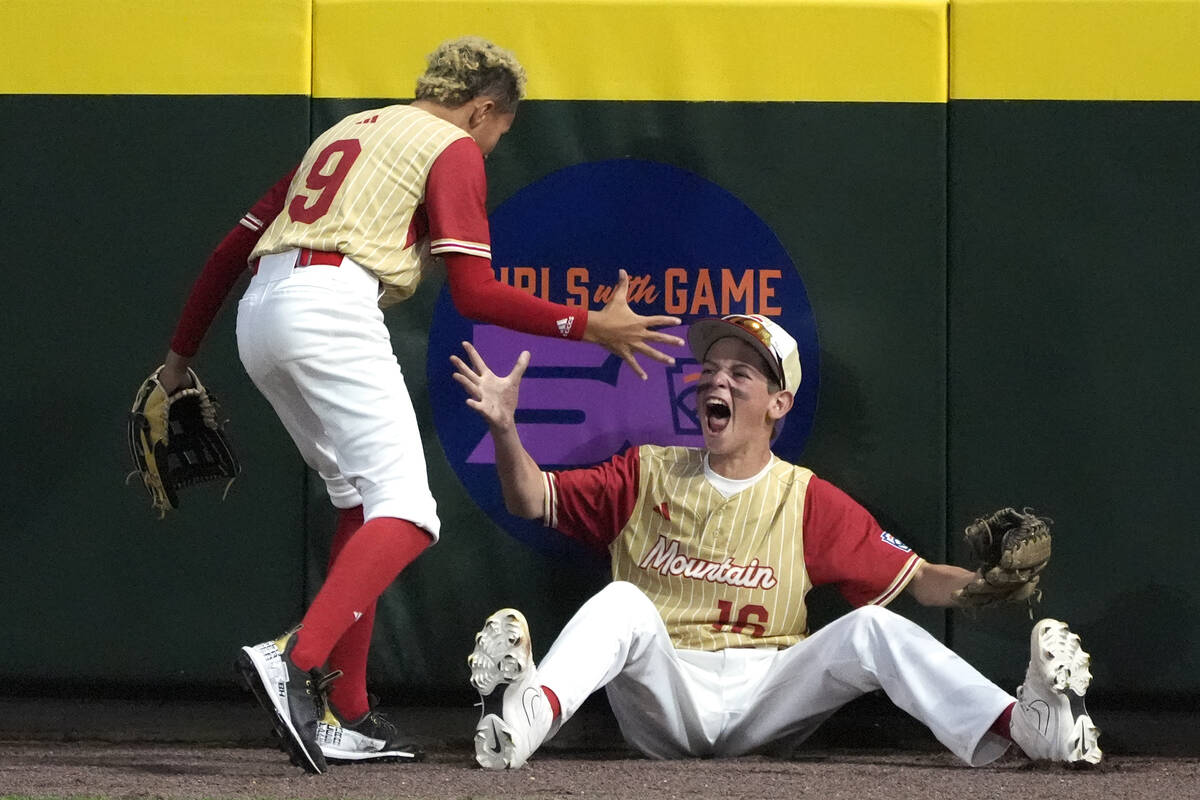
[757, 628]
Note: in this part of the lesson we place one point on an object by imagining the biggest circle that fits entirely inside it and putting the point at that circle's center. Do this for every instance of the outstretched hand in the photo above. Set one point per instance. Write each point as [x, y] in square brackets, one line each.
[493, 396]
[624, 333]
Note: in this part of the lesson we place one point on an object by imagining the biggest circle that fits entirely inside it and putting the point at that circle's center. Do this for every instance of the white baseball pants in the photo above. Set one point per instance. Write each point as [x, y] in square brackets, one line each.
[313, 341]
[676, 703]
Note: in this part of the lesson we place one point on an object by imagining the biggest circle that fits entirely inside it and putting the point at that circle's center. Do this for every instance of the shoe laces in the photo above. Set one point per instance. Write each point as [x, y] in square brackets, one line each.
[381, 726]
[325, 679]
[321, 682]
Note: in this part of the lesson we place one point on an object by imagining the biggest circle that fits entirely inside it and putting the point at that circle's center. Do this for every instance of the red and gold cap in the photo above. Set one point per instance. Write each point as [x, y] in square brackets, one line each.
[772, 342]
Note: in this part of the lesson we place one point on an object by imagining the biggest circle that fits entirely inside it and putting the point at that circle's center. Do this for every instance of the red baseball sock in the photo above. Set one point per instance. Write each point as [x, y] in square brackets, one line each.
[348, 694]
[349, 521]
[369, 561]
[552, 699]
[1000, 726]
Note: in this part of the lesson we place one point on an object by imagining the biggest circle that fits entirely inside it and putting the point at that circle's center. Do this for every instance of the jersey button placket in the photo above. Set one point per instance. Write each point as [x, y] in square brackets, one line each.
[720, 536]
[715, 540]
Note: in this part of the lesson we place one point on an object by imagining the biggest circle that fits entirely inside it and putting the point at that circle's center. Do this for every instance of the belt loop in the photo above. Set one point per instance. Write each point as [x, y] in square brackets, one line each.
[305, 257]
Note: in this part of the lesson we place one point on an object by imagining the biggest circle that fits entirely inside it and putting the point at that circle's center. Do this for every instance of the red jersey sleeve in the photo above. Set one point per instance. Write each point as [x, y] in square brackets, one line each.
[456, 202]
[456, 215]
[224, 266]
[591, 505]
[844, 545]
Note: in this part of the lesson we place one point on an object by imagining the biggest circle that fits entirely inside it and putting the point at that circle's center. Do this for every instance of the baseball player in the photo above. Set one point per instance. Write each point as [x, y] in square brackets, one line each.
[701, 640]
[354, 229]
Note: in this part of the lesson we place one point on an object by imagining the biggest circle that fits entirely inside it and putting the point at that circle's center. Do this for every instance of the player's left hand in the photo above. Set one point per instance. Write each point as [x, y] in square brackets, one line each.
[175, 374]
[1011, 548]
[176, 439]
[621, 331]
[493, 396]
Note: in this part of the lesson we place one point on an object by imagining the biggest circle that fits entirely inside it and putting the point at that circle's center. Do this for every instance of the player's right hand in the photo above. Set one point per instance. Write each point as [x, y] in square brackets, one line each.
[621, 331]
[493, 396]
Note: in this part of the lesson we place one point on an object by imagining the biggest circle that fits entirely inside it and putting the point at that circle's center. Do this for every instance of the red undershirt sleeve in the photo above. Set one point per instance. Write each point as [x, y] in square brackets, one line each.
[225, 265]
[479, 296]
[455, 198]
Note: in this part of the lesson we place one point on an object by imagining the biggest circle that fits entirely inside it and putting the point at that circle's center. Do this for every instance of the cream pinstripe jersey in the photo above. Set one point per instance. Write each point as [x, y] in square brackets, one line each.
[734, 550]
[725, 572]
[357, 189]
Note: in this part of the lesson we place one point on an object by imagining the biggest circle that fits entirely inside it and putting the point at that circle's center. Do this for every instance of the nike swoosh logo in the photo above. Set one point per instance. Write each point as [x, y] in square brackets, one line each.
[494, 745]
[1042, 710]
[527, 703]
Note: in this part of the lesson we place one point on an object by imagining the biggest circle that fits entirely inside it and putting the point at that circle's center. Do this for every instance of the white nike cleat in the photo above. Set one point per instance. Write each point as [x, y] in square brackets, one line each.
[1049, 721]
[516, 716]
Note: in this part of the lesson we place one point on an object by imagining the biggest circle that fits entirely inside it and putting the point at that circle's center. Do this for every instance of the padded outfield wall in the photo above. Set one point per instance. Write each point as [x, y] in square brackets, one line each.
[919, 229]
[1074, 189]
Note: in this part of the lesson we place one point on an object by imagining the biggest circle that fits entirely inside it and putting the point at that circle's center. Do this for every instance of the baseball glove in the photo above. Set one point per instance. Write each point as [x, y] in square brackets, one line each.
[1011, 548]
[176, 441]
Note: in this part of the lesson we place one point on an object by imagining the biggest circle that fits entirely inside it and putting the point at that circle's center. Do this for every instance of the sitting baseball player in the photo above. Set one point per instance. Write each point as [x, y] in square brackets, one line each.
[701, 640]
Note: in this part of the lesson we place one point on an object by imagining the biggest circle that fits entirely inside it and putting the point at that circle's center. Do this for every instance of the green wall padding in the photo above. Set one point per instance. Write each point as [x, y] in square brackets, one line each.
[114, 204]
[1074, 383]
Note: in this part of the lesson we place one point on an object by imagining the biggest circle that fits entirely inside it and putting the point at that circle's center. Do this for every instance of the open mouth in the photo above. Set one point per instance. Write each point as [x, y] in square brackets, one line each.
[716, 414]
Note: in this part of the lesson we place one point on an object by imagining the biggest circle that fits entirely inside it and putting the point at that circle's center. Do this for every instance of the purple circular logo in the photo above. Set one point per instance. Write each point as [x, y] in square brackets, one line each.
[691, 249]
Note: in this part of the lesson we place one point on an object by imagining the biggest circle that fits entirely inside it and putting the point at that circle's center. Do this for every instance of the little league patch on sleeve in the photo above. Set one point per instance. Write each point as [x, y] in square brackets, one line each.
[894, 542]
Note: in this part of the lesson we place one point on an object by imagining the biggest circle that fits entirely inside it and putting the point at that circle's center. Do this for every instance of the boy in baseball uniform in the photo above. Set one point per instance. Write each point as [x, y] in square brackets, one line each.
[375, 201]
[701, 641]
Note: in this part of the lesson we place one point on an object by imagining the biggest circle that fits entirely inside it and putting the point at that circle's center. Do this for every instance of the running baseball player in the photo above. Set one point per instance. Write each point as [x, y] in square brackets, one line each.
[354, 229]
[701, 640]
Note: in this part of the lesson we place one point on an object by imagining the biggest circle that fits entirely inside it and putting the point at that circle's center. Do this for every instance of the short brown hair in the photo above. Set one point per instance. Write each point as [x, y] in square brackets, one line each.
[470, 66]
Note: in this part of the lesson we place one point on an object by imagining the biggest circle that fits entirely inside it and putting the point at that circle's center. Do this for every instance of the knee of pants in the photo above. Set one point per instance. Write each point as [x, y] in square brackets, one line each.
[873, 622]
[409, 502]
[621, 600]
[872, 615]
[625, 601]
[341, 493]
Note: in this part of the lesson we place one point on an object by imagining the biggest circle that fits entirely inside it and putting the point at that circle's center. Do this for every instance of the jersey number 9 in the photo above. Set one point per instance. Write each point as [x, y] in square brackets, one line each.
[326, 185]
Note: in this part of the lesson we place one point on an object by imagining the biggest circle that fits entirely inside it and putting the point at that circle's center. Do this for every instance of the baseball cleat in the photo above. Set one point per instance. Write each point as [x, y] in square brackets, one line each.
[371, 738]
[1050, 721]
[289, 694]
[516, 716]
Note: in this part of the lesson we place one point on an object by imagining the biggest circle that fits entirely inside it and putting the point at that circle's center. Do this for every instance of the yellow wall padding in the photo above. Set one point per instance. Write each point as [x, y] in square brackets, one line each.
[764, 50]
[1075, 49]
[185, 47]
[780, 50]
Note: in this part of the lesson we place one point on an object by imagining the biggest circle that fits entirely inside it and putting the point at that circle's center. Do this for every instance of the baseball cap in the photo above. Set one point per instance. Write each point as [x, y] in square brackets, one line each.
[772, 342]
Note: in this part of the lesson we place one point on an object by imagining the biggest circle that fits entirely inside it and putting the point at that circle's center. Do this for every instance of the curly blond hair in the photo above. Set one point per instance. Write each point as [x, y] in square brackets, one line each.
[470, 66]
